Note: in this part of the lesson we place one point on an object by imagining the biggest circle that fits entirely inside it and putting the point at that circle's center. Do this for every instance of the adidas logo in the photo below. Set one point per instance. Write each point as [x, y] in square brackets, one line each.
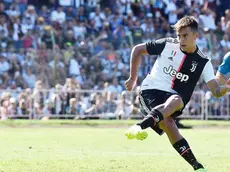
[170, 58]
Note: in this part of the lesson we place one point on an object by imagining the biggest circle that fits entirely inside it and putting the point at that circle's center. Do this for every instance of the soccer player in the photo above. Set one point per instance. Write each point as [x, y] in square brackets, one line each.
[224, 70]
[168, 87]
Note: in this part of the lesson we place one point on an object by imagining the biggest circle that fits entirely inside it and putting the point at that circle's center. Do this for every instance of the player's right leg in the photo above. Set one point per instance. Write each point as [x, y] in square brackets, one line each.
[161, 106]
[172, 104]
[179, 143]
[147, 101]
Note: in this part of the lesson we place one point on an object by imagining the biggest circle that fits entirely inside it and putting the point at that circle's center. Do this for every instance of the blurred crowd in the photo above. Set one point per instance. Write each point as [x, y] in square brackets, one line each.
[67, 102]
[88, 42]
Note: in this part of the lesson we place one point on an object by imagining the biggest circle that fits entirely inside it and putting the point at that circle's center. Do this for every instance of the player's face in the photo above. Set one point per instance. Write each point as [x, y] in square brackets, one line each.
[187, 39]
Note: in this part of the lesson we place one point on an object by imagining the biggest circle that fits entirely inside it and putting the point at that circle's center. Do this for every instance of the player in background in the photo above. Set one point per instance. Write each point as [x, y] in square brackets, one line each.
[223, 72]
[168, 87]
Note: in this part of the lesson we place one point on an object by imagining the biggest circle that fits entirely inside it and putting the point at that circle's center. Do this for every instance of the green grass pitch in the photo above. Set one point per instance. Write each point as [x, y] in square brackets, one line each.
[105, 149]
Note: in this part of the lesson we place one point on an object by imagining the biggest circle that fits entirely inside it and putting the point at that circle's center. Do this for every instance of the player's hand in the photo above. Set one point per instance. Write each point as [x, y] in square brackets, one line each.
[130, 83]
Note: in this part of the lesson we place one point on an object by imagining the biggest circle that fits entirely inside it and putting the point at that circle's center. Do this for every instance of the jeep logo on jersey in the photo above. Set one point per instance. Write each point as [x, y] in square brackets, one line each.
[172, 72]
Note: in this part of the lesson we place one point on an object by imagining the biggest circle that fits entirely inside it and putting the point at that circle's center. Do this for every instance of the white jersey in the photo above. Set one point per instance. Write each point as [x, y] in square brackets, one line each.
[176, 71]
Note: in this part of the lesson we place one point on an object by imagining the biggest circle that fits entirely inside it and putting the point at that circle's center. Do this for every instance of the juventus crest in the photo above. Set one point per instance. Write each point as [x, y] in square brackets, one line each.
[194, 65]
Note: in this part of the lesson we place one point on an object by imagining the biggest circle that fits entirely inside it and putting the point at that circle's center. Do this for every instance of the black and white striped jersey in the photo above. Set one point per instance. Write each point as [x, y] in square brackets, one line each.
[176, 71]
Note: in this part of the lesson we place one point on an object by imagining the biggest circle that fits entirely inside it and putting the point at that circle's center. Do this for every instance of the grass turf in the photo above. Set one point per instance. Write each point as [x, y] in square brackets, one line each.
[95, 149]
[109, 123]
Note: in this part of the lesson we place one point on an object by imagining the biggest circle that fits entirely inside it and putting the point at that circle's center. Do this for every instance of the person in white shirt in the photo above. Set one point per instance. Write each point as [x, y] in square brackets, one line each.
[208, 19]
[115, 87]
[13, 11]
[58, 15]
[59, 63]
[202, 42]
[27, 25]
[74, 67]
[29, 78]
[171, 10]
[31, 13]
[79, 30]
[225, 42]
[98, 17]
[66, 2]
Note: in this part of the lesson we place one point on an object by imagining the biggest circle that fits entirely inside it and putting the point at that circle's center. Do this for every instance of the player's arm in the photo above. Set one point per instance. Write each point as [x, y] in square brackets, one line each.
[218, 90]
[221, 78]
[135, 58]
[212, 83]
[149, 48]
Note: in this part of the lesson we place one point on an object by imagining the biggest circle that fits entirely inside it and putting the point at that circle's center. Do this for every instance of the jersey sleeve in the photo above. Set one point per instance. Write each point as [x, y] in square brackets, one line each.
[224, 68]
[208, 72]
[156, 47]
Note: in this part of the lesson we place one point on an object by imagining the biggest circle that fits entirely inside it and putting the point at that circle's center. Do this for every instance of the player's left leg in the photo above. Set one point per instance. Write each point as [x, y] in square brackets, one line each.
[179, 143]
[161, 116]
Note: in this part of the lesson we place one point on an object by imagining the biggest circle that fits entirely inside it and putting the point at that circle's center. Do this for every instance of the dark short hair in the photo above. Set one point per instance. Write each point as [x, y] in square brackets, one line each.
[187, 21]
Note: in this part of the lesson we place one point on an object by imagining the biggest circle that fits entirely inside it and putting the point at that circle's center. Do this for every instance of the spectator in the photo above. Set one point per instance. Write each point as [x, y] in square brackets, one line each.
[74, 108]
[74, 67]
[40, 25]
[202, 42]
[98, 17]
[30, 14]
[81, 14]
[13, 11]
[29, 78]
[70, 13]
[70, 89]
[4, 65]
[171, 11]
[4, 26]
[137, 32]
[14, 64]
[66, 2]
[59, 99]
[79, 29]
[3, 13]
[47, 110]
[19, 80]
[110, 105]
[225, 42]
[13, 110]
[208, 19]
[44, 13]
[5, 103]
[4, 40]
[58, 15]
[69, 39]
[28, 40]
[17, 33]
[114, 87]
[22, 109]
[47, 38]
[39, 97]
[96, 107]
